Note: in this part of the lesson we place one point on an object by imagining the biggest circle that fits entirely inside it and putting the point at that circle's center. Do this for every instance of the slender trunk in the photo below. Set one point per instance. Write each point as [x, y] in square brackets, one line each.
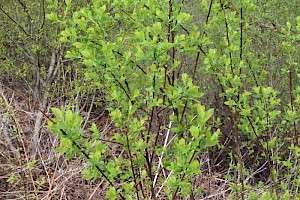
[53, 67]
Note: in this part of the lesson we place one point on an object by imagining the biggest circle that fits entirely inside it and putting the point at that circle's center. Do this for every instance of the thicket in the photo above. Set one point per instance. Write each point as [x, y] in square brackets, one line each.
[189, 90]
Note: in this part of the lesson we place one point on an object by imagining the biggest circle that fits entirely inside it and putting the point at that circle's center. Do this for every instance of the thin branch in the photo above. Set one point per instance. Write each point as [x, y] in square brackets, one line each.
[44, 15]
[241, 37]
[132, 167]
[292, 101]
[227, 37]
[209, 11]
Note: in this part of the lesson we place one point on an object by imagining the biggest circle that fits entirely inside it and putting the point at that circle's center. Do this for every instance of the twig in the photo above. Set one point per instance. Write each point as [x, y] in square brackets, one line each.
[162, 154]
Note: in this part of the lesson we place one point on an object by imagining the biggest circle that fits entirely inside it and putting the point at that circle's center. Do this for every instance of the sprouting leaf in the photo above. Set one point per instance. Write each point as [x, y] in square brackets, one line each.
[200, 111]
[87, 53]
[208, 114]
[230, 103]
[182, 17]
[289, 25]
[69, 116]
[246, 112]
[52, 16]
[78, 45]
[212, 140]
[95, 130]
[89, 62]
[185, 78]
[68, 2]
[112, 193]
[57, 112]
[129, 186]
[66, 142]
[136, 93]
[157, 27]
[99, 146]
[194, 131]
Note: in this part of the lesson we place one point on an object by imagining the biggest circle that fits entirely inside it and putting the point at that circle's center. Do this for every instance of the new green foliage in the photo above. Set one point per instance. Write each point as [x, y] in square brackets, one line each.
[135, 48]
[148, 58]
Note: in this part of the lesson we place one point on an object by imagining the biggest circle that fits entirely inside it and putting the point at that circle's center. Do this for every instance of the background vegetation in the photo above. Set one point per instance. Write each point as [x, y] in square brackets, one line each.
[150, 99]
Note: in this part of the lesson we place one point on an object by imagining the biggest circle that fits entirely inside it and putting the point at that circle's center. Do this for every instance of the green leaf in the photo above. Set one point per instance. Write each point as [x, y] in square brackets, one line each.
[94, 129]
[112, 193]
[68, 2]
[99, 146]
[246, 112]
[212, 140]
[136, 93]
[66, 142]
[89, 63]
[183, 17]
[57, 112]
[157, 27]
[128, 186]
[185, 78]
[87, 53]
[208, 114]
[69, 117]
[52, 16]
[96, 156]
[200, 110]
[289, 25]
[194, 131]
[78, 45]
[139, 54]
[88, 175]
[230, 103]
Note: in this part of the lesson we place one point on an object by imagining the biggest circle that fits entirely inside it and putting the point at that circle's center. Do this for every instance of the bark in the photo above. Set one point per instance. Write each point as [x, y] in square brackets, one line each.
[52, 71]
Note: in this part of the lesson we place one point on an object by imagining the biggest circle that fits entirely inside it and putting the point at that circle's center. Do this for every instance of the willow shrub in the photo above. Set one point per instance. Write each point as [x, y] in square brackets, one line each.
[133, 50]
[146, 57]
[263, 131]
